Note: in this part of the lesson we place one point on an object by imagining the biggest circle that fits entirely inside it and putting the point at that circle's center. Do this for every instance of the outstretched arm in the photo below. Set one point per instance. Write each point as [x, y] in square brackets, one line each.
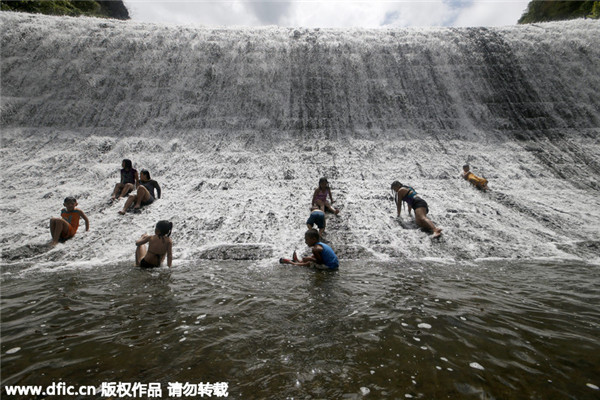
[169, 254]
[157, 187]
[85, 218]
[398, 201]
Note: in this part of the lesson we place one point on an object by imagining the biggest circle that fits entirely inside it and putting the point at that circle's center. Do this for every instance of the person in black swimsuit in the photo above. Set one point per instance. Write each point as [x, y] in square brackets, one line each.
[129, 180]
[145, 193]
[159, 246]
[414, 202]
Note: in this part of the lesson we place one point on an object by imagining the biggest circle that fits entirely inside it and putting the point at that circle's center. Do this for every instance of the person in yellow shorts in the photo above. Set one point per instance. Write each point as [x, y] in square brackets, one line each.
[65, 227]
[479, 183]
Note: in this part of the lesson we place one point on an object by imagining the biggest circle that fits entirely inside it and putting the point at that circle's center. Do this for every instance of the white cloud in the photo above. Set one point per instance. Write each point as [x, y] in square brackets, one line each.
[492, 13]
[329, 13]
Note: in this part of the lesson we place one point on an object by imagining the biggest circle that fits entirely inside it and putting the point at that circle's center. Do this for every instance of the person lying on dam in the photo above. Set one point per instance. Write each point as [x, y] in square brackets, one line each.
[323, 256]
[317, 217]
[414, 202]
[145, 193]
[479, 183]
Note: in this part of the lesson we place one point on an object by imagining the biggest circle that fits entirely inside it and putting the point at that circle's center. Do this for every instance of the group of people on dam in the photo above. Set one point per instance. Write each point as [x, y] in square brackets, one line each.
[151, 250]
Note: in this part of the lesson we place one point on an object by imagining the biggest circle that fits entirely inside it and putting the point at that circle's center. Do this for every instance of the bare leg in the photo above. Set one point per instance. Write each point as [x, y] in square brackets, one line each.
[128, 187]
[424, 222]
[330, 208]
[140, 253]
[118, 188]
[57, 227]
[324, 205]
[142, 195]
[128, 204]
[301, 263]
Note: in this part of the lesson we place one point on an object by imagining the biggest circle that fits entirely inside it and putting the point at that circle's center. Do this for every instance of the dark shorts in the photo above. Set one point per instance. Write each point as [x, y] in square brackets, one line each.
[418, 203]
[316, 217]
[148, 202]
[146, 264]
[69, 234]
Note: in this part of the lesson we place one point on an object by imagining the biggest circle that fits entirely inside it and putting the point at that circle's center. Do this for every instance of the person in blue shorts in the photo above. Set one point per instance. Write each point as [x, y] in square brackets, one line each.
[323, 256]
[317, 217]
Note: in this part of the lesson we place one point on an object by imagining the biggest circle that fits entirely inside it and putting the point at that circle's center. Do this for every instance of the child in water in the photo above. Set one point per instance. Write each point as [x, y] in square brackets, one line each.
[320, 197]
[317, 217]
[159, 245]
[129, 180]
[479, 183]
[65, 227]
[323, 256]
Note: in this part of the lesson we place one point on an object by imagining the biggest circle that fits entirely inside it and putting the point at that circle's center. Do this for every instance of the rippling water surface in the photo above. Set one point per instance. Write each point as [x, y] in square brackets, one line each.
[375, 330]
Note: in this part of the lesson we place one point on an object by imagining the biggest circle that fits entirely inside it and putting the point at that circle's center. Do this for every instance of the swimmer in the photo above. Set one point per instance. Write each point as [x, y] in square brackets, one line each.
[159, 246]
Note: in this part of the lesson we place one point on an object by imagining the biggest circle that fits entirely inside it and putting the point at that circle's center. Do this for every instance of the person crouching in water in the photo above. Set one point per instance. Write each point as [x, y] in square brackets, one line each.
[323, 256]
[479, 183]
[159, 246]
[414, 202]
[145, 193]
[317, 217]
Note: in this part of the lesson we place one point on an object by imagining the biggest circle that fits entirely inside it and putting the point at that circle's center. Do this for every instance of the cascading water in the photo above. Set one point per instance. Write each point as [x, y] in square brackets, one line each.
[237, 126]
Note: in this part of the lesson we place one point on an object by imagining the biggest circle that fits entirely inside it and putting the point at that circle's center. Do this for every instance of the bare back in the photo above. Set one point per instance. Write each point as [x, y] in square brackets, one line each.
[157, 249]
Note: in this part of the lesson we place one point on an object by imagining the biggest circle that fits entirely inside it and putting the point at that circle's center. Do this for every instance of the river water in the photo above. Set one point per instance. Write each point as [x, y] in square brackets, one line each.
[484, 330]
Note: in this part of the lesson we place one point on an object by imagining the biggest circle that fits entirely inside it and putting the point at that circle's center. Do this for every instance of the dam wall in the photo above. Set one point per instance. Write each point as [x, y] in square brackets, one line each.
[238, 125]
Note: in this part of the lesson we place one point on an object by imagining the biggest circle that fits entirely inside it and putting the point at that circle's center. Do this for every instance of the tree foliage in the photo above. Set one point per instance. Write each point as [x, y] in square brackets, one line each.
[542, 11]
[106, 9]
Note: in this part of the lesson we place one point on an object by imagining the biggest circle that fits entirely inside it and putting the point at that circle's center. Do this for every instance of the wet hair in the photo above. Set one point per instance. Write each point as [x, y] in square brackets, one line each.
[127, 163]
[323, 180]
[312, 233]
[70, 199]
[396, 184]
[146, 172]
[466, 166]
[164, 227]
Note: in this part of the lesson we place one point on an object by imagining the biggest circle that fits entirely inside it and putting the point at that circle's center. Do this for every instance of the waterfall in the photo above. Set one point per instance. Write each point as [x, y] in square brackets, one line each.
[238, 125]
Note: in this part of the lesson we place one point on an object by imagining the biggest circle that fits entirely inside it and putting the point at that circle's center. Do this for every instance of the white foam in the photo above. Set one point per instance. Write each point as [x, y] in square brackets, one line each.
[592, 386]
[476, 366]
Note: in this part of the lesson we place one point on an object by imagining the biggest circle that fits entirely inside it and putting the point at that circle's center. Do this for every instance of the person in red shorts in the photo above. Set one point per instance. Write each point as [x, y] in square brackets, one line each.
[65, 227]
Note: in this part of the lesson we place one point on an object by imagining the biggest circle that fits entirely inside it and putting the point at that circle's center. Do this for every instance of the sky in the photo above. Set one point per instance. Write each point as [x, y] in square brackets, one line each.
[329, 13]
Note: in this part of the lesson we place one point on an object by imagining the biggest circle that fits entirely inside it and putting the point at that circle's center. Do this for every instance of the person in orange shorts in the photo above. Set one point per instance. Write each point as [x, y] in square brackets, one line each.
[65, 227]
[479, 183]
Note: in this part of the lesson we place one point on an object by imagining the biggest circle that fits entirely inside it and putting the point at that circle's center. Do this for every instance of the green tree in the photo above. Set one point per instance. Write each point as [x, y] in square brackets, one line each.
[542, 11]
[107, 9]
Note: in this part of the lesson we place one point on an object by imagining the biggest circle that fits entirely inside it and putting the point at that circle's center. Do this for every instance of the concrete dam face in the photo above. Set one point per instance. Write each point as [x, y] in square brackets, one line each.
[238, 125]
